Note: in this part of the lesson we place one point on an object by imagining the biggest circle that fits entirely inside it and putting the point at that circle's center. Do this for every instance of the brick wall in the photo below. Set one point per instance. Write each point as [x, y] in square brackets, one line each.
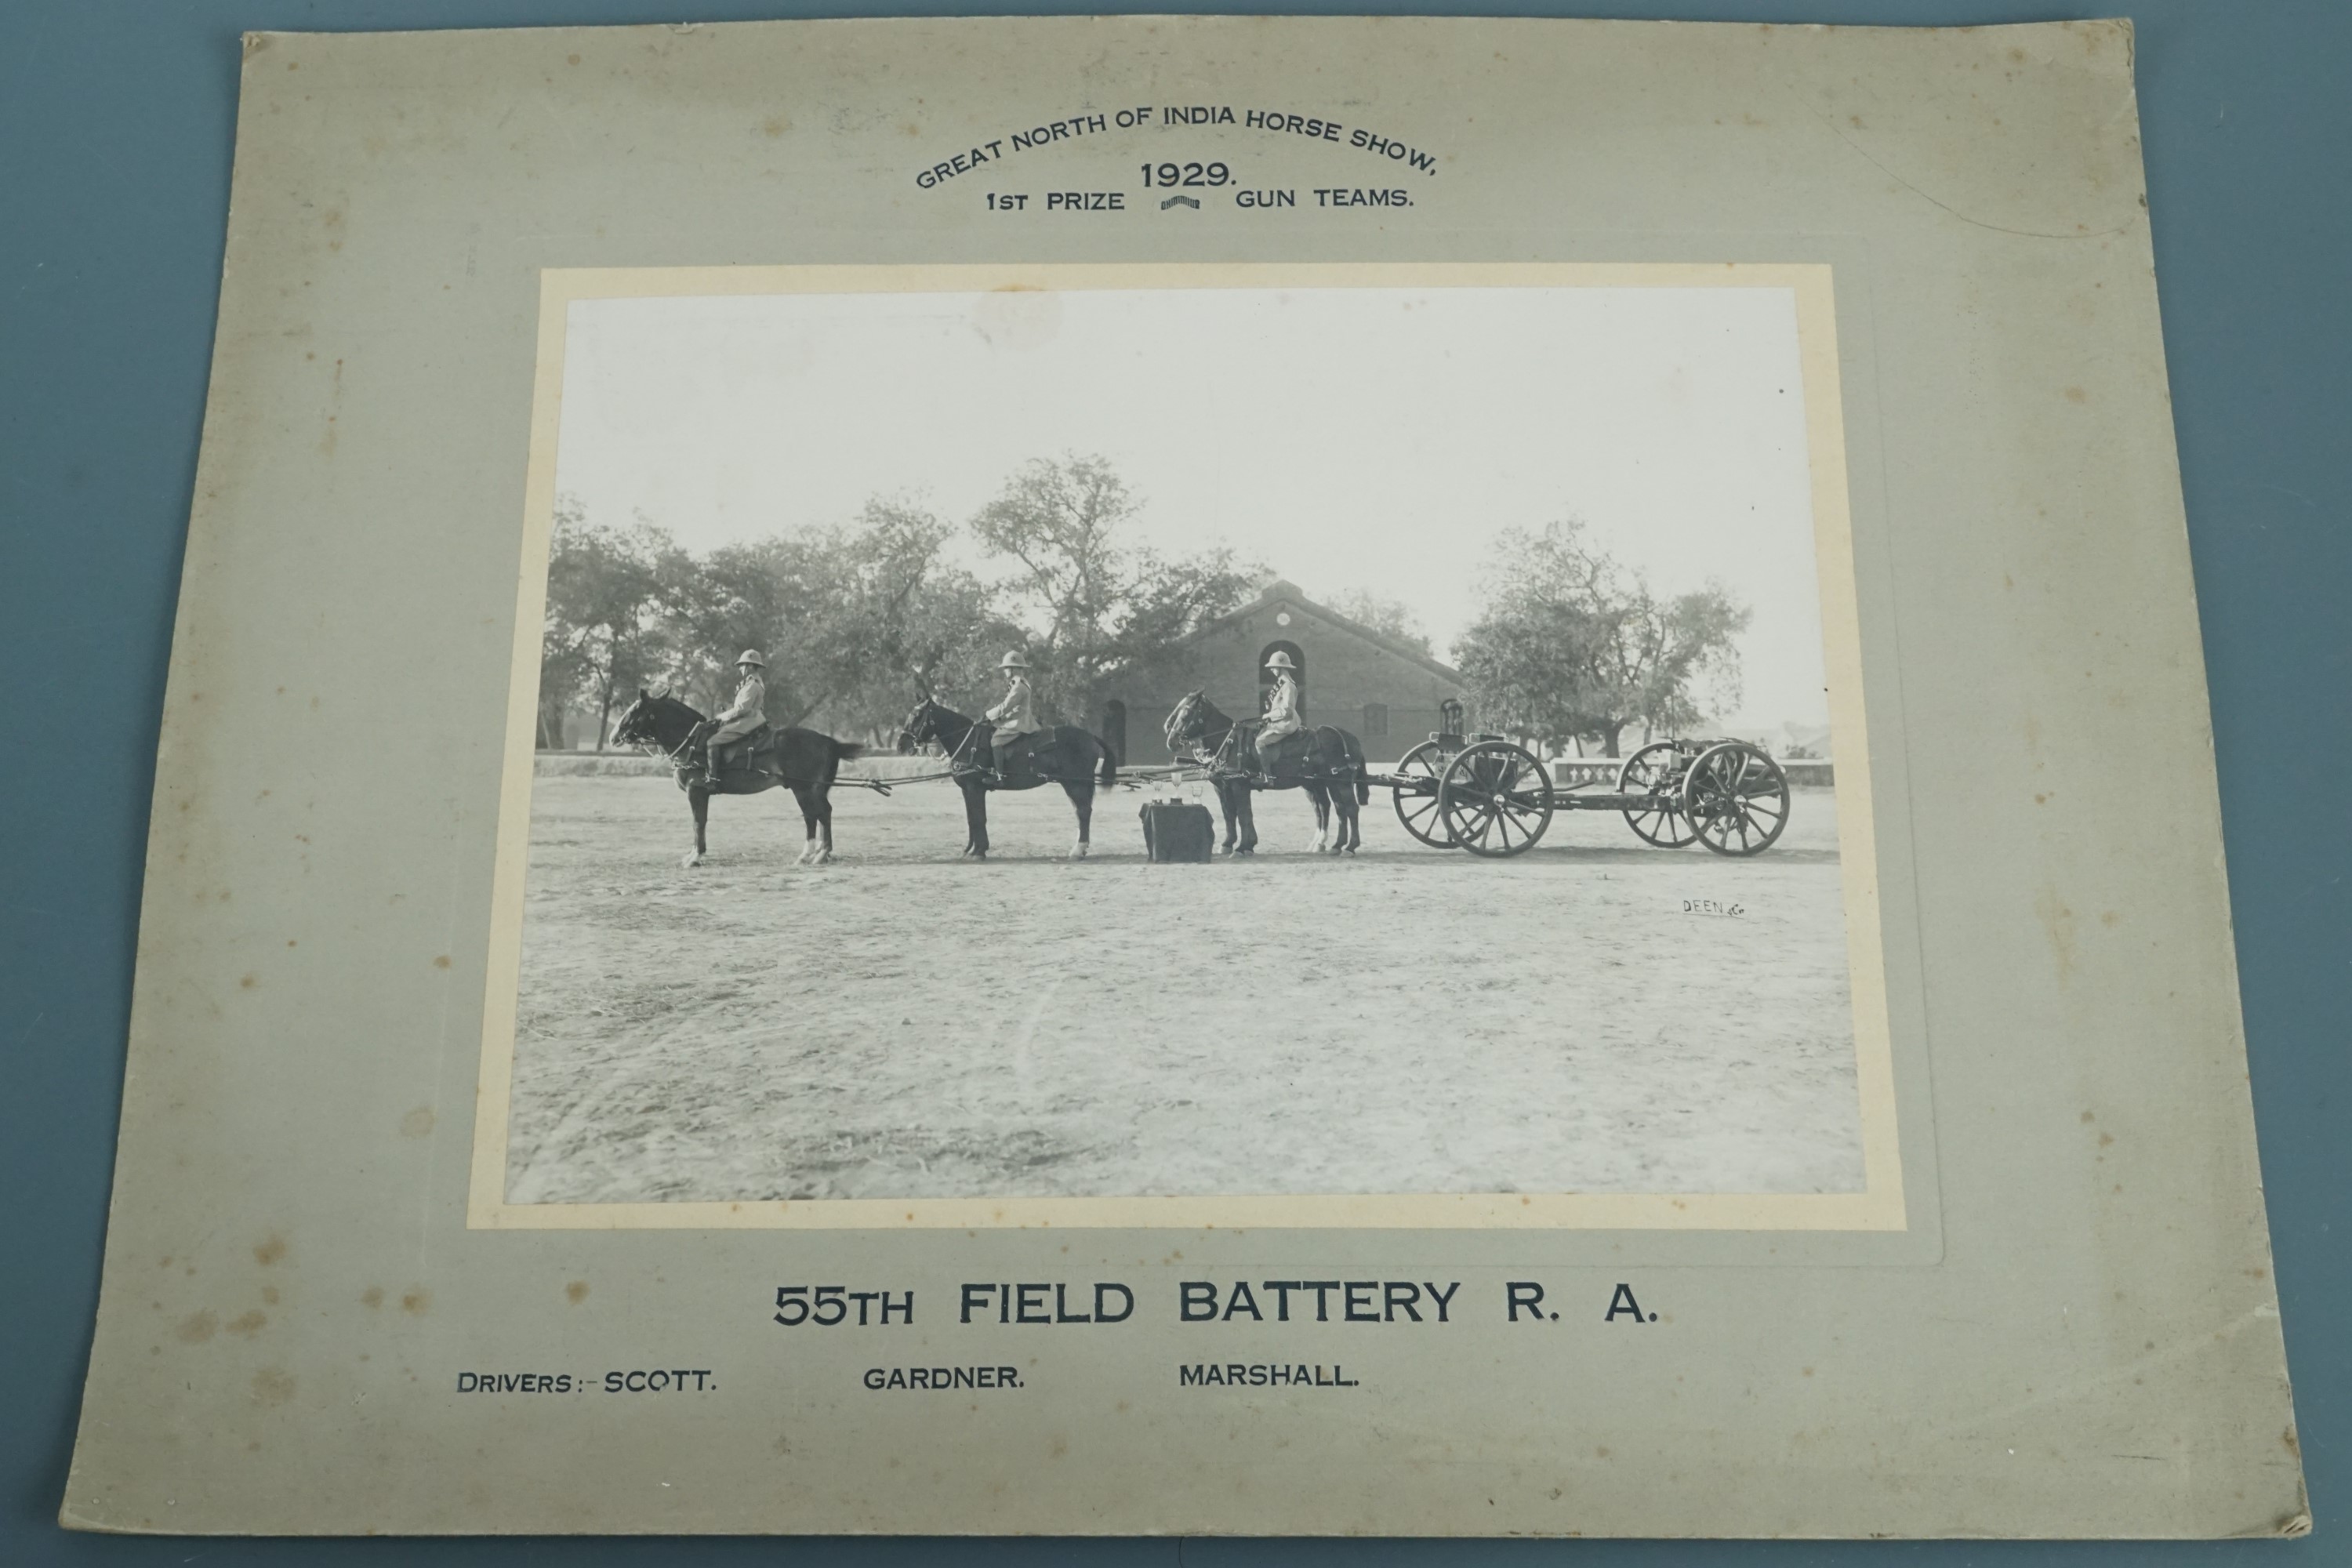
[1344, 675]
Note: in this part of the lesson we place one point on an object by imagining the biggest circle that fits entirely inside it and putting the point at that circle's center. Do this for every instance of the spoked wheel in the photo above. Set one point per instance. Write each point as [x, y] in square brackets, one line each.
[1416, 800]
[1496, 799]
[1737, 799]
[1661, 821]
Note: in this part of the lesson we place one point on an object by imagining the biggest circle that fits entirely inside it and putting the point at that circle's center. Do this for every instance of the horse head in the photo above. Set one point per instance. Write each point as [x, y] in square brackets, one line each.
[633, 727]
[1183, 723]
[921, 726]
[655, 719]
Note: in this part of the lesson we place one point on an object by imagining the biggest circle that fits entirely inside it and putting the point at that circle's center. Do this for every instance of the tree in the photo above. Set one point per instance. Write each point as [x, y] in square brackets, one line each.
[1392, 618]
[906, 619]
[1093, 602]
[604, 627]
[1059, 522]
[1574, 646]
[853, 620]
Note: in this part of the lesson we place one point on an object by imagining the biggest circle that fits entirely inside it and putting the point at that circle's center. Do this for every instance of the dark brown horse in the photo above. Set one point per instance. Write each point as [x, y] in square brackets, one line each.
[800, 760]
[1332, 772]
[1079, 762]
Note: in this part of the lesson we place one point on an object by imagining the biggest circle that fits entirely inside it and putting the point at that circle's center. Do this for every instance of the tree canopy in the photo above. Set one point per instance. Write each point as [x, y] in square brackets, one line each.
[1392, 618]
[1095, 601]
[856, 619]
[1573, 645]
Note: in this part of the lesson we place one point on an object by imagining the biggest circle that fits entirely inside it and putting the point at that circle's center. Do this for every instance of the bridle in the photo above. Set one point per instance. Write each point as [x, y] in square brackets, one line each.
[654, 748]
[931, 711]
[1224, 756]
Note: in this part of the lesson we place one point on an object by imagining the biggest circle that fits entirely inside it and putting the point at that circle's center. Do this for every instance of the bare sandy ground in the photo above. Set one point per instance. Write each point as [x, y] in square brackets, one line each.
[902, 1024]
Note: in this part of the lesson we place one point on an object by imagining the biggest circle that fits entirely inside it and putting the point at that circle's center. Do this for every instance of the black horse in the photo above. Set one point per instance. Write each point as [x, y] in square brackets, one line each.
[1080, 763]
[802, 759]
[1332, 772]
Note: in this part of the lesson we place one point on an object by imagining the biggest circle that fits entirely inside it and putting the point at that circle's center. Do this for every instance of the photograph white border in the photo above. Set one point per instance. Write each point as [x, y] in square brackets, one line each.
[1879, 1206]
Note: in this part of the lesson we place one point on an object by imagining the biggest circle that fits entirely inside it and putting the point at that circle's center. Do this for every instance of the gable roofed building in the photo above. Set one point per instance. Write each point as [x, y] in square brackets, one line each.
[1389, 693]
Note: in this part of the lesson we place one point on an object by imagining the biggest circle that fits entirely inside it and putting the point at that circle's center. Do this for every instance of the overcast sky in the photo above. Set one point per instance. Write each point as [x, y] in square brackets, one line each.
[1347, 438]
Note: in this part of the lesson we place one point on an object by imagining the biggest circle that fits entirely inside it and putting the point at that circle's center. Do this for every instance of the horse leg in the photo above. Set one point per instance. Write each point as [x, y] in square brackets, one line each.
[975, 815]
[699, 799]
[1244, 797]
[824, 793]
[1082, 796]
[1322, 800]
[1351, 818]
[1225, 809]
[808, 825]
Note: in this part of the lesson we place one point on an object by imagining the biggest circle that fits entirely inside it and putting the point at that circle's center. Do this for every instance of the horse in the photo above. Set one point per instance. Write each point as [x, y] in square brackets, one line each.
[803, 760]
[1079, 762]
[1332, 773]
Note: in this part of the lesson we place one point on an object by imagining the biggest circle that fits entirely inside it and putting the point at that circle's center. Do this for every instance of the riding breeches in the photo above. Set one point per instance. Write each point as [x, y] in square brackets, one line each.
[727, 734]
[1274, 734]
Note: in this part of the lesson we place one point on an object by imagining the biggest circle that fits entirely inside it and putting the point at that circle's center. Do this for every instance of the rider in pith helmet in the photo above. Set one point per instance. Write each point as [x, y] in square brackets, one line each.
[1281, 707]
[745, 714]
[1016, 716]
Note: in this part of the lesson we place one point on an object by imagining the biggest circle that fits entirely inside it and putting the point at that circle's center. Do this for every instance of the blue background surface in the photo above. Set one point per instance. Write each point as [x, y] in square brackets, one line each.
[115, 134]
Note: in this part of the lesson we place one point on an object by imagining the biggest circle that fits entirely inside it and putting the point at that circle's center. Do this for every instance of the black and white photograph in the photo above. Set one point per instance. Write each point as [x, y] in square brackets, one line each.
[1341, 735]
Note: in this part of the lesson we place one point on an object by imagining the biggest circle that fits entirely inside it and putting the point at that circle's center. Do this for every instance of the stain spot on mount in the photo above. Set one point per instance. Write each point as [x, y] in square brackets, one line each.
[197, 1328]
[442, 962]
[270, 1249]
[419, 1301]
[272, 1386]
[576, 1292]
[2058, 923]
[250, 1323]
[417, 1122]
[372, 1297]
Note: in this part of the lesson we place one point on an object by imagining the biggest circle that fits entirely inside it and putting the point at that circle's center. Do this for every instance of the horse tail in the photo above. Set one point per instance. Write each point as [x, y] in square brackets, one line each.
[847, 750]
[1109, 775]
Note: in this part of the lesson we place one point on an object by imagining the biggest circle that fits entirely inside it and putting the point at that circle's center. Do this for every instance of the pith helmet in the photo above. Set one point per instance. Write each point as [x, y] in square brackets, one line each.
[751, 657]
[1013, 660]
[1280, 660]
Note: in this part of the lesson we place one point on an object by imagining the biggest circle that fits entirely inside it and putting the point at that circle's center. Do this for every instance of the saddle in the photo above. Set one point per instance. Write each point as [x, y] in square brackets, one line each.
[1290, 751]
[1016, 759]
[730, 755]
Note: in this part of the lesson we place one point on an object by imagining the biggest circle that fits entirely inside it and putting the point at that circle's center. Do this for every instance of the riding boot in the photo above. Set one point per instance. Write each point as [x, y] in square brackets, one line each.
[711, 764]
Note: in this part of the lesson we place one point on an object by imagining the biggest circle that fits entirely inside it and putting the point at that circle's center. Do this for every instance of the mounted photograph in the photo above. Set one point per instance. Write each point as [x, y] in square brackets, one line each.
[1280, 745]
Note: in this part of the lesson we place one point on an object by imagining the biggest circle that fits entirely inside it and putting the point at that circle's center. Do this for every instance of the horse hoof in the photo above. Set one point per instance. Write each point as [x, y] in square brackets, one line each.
[690, 861]
[1079, 853]
[824, 858]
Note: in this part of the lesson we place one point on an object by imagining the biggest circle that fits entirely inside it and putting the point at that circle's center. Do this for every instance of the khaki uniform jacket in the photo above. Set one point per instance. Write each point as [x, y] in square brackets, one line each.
[746, 713]
[1017, 715]
[1281, 712]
